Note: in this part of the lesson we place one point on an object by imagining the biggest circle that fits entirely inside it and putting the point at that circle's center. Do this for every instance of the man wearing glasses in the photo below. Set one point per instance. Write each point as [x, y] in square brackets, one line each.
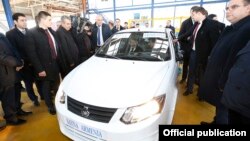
[222, 57]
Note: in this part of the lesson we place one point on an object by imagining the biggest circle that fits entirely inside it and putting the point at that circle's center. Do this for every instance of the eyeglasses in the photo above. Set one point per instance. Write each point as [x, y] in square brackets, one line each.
[233, 7]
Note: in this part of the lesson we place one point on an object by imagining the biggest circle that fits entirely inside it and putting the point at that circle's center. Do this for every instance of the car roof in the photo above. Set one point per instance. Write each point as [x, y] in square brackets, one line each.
[145, 30]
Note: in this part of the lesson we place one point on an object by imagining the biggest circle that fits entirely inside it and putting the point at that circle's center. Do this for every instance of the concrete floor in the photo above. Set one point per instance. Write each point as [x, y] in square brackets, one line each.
[42, 126]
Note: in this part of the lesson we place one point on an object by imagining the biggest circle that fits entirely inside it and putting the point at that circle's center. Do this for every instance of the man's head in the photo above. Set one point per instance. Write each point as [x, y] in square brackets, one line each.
[146, 24]
[199, 14]
[19, 20]
[66, 22]
[44, 19]
[99, 20]
[117, 22]
[151, 42]
[168, 23]
[137, 25]
[237, 10]
[212, 17]
[133, 42]
[191, 10]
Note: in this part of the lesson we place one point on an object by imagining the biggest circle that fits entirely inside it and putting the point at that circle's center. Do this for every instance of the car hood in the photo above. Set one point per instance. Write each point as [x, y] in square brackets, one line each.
[115, 83]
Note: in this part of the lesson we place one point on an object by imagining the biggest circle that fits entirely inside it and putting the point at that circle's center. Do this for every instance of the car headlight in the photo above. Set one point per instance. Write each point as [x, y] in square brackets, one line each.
[62, 98]
[144, 111]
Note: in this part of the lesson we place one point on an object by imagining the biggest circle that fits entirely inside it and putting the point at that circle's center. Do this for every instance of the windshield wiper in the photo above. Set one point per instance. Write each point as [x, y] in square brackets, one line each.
[107, 56]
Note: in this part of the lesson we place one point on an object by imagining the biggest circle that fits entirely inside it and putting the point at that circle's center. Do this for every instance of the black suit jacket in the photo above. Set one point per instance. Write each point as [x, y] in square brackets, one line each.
[236, 94]
[39, 54]
[206, 38]
[8, 63]
[106, 33]
[185, 32]
[68, 49]
[222, 58]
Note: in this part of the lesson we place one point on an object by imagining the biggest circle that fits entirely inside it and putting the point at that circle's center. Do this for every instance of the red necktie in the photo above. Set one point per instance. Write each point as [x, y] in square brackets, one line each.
[51, 45]
[194, 33]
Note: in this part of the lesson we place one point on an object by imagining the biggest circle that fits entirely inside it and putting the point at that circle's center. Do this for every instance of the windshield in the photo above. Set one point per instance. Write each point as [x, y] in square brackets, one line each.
[143, 46]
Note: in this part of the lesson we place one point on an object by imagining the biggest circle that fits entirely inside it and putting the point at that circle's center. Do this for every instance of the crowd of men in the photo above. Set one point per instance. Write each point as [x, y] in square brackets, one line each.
[215, 58]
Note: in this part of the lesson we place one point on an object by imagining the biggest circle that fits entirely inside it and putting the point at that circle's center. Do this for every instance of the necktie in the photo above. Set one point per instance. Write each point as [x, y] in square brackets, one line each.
[99, 36]
[51, 45]
[194, 33]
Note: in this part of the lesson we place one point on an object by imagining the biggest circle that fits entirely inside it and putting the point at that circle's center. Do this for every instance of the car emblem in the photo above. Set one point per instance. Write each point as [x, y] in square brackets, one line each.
[85, 111]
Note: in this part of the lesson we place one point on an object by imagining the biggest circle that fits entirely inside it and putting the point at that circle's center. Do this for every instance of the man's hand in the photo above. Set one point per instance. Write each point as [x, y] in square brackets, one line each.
[42, 74]
[19, 68]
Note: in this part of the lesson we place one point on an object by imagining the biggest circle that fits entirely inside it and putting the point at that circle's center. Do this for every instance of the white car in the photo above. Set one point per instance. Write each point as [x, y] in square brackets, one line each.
[124, 91]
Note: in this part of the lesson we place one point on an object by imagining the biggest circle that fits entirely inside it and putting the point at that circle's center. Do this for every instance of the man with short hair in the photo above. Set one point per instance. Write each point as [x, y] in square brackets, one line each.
[68, 48]
[16, 36]
[170, 26]
[223, 56]
[100, 33]
[204, 37]
[186, 43]
[117, 26]
[42, 50]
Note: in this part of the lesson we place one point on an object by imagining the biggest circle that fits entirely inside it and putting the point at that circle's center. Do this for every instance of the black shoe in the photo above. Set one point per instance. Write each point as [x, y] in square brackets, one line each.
[207, 123]
[17, 121]
[182, 81]
[52, 110]
[36, 103]
[187, 92]
[23, 113]
[2, 125]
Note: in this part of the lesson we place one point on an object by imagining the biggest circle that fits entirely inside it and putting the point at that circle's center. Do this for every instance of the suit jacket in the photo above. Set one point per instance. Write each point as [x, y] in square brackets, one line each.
[84, 46]
[186, 28]
[206, 38]
[106, 33]
[39, 54]
[236, 94]
[171, 27]
[68, 49]
[222, 58]
[114, 30]
[8, 63]
[17, 40]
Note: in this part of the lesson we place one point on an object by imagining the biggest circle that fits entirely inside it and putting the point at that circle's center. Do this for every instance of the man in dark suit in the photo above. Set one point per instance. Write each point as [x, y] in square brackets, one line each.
[117, 26]
[16, 38]
[236, 95]
[133, 46]
[69, 49]
[9, 64]
[186, 44]
[100, 33]
[42, 50]
[170, 26]
[205, 35]
[222, 57]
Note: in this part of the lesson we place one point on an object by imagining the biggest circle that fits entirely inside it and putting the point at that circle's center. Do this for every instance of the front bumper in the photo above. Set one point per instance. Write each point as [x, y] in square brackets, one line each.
[81, 129]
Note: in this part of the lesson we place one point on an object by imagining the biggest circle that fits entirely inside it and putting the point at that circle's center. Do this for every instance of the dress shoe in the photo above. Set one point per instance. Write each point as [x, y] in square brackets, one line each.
[52, 110]
[17, 121]
[187, 92]
[2, 124]
[36, 103]
[207, 123]
[23, 113]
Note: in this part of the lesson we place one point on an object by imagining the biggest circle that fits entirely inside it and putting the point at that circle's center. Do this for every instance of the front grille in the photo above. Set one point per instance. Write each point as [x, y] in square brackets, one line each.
[91, 112]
